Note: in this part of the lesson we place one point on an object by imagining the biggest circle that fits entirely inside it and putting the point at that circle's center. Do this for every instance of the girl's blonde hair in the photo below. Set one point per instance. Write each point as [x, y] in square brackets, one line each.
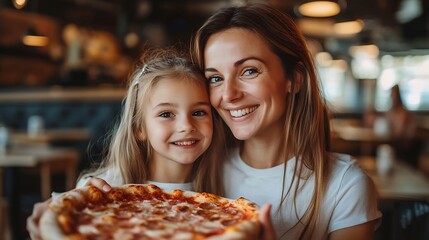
[131, 155]
[306, 132]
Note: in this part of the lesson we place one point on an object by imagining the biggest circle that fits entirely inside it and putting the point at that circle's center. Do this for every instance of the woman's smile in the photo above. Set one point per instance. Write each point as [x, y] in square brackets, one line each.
[242, 112]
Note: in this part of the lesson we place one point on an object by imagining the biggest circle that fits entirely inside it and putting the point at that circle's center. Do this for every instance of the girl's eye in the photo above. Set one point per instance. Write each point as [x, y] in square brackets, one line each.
[166, 115]
[214, 79]
[199, 113]
[250, 72]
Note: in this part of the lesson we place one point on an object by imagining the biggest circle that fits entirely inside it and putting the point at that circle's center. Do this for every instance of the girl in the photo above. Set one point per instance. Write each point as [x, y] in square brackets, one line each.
[264, 86]
[165, 135]
[165, 129]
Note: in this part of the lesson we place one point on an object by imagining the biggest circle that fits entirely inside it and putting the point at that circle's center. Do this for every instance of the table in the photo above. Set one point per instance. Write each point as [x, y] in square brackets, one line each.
[366, 137]
[51, 135]
[402, 183]
[404, 200]
[33, 150]
[42, 157]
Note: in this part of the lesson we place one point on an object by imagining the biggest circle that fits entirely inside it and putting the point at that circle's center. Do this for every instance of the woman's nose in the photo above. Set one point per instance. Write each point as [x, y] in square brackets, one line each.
[231, 91]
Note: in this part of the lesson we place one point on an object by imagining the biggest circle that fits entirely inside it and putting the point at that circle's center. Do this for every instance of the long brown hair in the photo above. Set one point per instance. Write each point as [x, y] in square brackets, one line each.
[131, 155]
[306, 128]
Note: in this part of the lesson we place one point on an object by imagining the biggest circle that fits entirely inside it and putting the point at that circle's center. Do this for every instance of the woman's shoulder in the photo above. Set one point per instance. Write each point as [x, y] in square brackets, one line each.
[342, 160]
[344, 164]
[348, 178]
[351, 195]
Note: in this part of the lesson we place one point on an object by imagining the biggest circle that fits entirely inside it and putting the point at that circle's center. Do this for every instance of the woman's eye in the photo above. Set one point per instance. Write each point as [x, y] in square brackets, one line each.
[250, 71]
[199, 113]
[166, 115]
[214, 79]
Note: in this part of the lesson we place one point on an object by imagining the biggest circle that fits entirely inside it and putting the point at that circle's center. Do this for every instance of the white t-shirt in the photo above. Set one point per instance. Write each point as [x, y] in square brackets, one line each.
[349, 200]
[113, 178]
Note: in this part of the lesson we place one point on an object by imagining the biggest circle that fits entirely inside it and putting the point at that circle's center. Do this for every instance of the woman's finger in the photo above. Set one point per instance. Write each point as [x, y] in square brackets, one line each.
[33, 220]
[99, 183]
[268, 232]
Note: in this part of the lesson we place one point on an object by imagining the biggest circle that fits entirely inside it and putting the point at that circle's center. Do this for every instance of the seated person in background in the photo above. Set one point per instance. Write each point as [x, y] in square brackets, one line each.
[401, 122]
[402, 128]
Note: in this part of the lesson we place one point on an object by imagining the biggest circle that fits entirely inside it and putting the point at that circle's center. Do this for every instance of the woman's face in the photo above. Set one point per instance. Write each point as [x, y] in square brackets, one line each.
[248, 86]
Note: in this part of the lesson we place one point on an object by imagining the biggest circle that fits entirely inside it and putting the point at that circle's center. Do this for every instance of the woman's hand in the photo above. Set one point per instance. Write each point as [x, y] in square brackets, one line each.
[33, 220]
[40, 208]
[99, 183]
[268, 232]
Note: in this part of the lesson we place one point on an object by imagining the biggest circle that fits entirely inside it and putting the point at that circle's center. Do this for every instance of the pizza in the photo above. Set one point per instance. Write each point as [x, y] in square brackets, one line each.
[145, 211]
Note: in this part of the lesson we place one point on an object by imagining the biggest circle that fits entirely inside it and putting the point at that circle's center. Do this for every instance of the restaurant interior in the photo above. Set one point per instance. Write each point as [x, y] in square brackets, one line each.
[64, 66]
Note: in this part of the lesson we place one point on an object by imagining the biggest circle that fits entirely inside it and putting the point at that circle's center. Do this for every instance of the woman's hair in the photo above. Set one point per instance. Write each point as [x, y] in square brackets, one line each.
[130, 155]
[306, 128]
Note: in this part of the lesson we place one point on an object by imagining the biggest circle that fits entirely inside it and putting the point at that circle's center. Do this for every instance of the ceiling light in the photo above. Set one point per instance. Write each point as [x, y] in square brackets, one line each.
[19, 4]
[348, 27]
[131, 39]
[33, 39]
[319, 9]
[316, 27]
[364, 51]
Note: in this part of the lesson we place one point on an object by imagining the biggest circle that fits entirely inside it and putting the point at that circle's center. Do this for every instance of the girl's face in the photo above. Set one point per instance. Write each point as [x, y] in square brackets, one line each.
[247, 83]
[178, 121]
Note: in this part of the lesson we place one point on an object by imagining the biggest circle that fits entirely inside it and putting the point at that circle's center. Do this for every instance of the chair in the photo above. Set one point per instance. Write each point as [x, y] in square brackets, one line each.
[411, 220]
[404, 220]
[4, 221]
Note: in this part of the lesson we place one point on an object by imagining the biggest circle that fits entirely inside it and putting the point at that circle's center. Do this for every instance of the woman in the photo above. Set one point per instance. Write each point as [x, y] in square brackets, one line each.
[264, 86]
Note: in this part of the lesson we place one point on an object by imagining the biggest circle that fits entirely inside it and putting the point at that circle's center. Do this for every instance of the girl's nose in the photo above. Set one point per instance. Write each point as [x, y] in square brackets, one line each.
[186, 124]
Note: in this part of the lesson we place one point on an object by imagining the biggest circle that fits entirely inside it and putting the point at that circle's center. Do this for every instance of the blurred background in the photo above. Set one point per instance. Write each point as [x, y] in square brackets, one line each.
[363, 49]
[64, 65]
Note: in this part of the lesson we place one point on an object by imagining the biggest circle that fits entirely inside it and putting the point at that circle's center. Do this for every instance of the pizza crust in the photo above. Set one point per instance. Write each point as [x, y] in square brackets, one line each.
[64, 209]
